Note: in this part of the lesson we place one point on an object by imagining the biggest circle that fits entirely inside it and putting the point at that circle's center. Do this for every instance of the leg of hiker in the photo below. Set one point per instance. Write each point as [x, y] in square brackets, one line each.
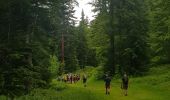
[106, 89]
[107, 83]
[84, 80]
[126, 92]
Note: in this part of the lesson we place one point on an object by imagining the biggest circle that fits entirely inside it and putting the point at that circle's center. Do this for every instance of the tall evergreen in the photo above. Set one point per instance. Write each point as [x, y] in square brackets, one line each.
[127, 32]
[82, 42]
[28, 43]
[132, 34]
[159, 30]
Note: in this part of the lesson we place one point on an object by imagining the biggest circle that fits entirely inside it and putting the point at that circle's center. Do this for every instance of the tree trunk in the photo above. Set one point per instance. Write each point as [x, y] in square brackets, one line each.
[112, 13]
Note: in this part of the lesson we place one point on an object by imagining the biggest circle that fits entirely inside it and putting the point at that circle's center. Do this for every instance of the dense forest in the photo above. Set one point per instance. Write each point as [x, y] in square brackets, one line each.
[41, 39]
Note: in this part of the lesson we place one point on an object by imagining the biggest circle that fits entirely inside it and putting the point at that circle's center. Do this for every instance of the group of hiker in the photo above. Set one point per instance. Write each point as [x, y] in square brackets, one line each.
[124, 83]
[73, 78]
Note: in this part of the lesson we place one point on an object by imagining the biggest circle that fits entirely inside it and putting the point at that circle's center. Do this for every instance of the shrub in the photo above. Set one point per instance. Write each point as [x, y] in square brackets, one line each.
[57, 85]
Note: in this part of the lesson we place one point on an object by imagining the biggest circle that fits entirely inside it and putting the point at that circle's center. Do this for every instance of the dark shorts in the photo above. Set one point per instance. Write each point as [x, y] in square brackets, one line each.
[84, 80]
[125, 86]
[107, 86]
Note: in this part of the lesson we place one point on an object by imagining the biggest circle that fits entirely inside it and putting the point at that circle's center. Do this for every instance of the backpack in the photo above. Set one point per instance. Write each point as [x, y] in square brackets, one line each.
[125, 79]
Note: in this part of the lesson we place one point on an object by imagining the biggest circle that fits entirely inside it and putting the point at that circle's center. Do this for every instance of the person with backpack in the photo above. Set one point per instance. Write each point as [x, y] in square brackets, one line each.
[107, 83]
[71, 78]
[74, 78]
[84, 80]
[125, 83]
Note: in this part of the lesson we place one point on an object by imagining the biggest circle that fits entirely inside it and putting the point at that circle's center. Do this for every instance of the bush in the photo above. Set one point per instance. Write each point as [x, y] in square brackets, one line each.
[58, 86]
[99, 73]
[157, 76]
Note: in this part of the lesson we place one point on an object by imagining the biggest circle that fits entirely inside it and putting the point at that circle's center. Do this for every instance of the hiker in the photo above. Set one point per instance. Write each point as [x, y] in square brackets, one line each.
[124, 85]
[63, 78]
[84, 80]
[74, 78]
[78, 77]
[71, 78]
[67, 76]
[107, 83]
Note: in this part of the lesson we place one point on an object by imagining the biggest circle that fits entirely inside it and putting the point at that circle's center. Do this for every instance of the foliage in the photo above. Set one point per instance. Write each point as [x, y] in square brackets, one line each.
[28, 39]
[54, 66]
[120, 35]
[58, 86]
[159, 29]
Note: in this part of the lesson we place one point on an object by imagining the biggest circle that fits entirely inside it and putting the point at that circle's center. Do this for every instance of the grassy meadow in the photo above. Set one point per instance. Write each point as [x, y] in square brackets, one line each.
[154, 86]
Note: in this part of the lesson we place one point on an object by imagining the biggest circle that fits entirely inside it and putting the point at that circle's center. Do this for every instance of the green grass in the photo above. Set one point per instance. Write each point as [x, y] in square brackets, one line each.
[154, 86]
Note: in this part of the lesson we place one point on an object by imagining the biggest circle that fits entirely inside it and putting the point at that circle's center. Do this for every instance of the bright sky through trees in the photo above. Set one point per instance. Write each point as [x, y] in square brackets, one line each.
[83, 4]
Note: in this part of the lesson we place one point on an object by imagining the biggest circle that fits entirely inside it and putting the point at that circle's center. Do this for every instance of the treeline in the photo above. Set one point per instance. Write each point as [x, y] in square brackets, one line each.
[32, 33]
[30, 43]
[120, 29]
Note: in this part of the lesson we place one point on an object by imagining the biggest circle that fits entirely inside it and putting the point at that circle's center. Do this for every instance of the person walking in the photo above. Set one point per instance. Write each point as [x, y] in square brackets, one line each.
[71, 78]
[125, 83]
[84, 80]
[107, 83]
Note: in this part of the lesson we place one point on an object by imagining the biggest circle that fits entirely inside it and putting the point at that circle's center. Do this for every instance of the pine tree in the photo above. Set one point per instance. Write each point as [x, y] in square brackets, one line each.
[127, 32]
[25, 47]
[159, 30]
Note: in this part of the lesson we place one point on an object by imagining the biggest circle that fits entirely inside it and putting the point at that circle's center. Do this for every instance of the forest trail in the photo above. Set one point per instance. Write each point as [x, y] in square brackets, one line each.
[96, 91]
[150, 87]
